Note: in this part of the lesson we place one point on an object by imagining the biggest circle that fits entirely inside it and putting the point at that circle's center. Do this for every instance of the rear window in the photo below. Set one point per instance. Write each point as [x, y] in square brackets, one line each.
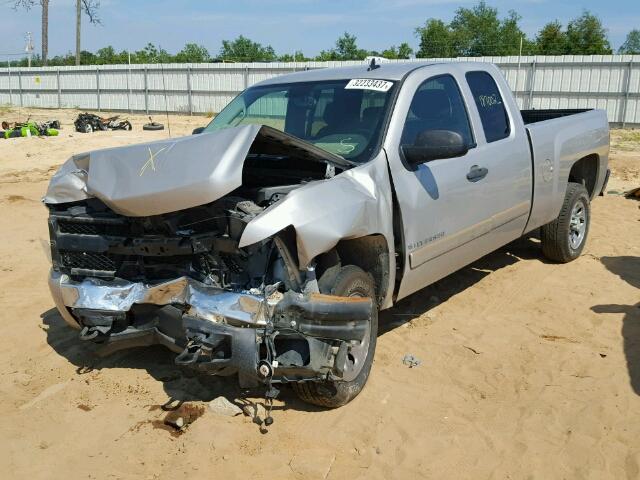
[493, 114]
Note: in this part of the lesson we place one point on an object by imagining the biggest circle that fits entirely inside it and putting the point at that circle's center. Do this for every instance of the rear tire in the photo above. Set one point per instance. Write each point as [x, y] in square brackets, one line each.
[563, 239]
[350, 281]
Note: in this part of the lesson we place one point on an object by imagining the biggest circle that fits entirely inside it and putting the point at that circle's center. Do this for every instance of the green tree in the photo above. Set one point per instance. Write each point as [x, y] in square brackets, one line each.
[510, 35]
[436, 40]
[551, 39]
[632, 43]
[87, 58]
[243, 49]
[476, 30]
[296, 56]
[587, 36]
[193, 53]
[63, 60]
[151, 54]
[402, 52]
[106, 56]
[346, 48]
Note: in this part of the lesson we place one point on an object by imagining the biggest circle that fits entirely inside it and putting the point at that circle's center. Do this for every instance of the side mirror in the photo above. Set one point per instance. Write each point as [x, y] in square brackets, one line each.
[434, 145]
[198, 130]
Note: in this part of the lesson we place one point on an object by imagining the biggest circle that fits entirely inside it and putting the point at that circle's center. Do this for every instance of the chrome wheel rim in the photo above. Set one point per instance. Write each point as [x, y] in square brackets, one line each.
[357, 354]
[577, 224]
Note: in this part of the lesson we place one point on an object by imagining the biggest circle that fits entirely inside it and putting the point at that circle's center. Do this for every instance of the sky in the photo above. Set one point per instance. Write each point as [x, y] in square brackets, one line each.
[287, 25]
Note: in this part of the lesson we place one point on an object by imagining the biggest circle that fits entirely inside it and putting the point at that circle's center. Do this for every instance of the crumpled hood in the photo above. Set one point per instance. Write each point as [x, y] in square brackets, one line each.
[168, 175]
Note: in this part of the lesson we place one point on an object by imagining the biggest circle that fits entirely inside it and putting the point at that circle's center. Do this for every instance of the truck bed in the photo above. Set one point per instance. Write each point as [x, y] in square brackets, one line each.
[534, 116]
[556, 144]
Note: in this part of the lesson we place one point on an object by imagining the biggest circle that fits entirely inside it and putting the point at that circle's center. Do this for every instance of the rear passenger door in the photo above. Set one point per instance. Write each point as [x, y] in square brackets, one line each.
[504, 149]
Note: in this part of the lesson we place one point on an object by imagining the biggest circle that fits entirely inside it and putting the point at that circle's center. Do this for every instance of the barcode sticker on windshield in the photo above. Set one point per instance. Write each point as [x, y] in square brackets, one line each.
[369, 84]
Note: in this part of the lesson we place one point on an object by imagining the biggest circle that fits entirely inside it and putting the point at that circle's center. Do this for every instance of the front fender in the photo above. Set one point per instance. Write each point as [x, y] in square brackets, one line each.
[350, 205]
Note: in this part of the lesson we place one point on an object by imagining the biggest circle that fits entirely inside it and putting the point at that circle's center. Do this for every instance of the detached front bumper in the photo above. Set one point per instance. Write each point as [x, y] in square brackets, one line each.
[299, 337]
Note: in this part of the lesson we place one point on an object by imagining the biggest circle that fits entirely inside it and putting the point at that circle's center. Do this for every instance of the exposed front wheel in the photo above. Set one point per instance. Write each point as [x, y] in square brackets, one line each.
[351, 281]
[563, 239]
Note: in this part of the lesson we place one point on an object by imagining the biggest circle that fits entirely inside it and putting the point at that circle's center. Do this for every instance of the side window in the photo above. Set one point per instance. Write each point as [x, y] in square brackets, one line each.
[437, 105]
[495, 121]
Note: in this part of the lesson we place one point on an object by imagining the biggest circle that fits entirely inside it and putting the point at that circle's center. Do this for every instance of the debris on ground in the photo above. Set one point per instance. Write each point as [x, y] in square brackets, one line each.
[152, 125]
[411, 361]
[183, 416]
[49, 128]
[471, 349]
[222, 406]
[89, 122]
[634, 193]
[256, 411]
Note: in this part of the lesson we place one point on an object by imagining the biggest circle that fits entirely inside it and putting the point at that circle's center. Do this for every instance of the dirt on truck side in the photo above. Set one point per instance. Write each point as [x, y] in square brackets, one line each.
[554, 393]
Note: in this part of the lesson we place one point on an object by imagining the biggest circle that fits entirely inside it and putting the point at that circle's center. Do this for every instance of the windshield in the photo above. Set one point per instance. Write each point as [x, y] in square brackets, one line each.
[340, 116]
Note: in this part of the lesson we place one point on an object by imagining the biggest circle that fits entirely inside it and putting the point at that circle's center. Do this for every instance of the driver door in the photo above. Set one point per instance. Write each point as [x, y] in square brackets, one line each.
[445, 215]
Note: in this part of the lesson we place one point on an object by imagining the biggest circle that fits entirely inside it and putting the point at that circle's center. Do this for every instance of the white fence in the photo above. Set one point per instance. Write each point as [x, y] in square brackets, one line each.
[609, 82]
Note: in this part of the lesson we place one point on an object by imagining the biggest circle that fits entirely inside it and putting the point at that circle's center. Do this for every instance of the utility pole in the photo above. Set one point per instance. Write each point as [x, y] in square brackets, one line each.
[45, 30]
[78, 21]
[29, 47]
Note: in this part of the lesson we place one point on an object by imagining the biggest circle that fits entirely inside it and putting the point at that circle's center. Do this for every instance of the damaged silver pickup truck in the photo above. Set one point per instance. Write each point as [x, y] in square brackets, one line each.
[265, 244]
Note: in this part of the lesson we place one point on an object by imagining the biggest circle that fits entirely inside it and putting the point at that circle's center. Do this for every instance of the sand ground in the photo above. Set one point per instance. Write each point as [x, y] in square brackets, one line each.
[529, 369]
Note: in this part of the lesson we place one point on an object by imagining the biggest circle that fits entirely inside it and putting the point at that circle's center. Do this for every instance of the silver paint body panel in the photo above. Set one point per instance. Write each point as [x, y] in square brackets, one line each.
[167, 175]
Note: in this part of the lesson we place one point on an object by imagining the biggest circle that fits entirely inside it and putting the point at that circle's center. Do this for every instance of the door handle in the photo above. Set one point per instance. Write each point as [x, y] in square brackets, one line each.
[477, 173]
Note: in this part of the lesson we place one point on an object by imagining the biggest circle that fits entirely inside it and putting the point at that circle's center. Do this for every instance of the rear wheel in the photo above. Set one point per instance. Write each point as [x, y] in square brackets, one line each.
[351, 281]
[563, 239]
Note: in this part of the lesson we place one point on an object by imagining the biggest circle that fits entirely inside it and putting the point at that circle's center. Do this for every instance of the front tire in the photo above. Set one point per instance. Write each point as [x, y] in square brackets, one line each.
[563, 239]
[351, 281]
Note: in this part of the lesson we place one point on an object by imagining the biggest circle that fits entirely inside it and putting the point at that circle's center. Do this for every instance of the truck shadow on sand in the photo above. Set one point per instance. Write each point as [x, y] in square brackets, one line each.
[628, 269]
[182, 385]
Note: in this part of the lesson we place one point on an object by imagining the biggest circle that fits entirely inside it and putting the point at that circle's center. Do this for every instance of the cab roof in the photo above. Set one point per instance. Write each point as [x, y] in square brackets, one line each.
[385, 71]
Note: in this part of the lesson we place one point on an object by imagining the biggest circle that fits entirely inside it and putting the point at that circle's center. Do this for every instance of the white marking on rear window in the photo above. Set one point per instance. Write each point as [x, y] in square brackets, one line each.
[369, 84]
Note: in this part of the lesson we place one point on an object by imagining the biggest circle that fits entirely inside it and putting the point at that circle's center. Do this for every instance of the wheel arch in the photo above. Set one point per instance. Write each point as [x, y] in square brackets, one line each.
[585, 172]
[370, 253]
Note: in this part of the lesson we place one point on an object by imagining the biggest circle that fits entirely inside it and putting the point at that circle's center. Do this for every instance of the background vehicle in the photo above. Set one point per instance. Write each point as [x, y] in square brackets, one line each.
[311, 202]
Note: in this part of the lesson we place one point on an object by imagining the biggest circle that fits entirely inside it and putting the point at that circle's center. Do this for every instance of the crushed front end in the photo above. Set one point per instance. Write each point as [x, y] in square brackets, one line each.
[181, 280]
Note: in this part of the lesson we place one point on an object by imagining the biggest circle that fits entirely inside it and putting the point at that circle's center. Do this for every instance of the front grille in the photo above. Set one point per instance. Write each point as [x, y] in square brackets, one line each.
[89, 261]
[91, 241]
[86, 228]
[79, 228]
